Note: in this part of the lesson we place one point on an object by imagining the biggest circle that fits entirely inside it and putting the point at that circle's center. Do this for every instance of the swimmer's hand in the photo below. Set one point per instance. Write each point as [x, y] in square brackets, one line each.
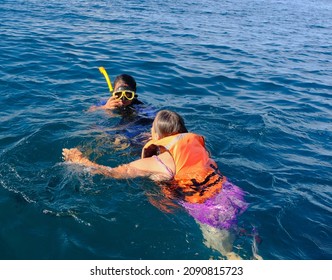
[74, 155]
[111, 104]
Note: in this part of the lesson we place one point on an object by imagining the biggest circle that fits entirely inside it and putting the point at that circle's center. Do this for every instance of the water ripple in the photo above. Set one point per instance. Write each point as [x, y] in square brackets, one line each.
[253, 78]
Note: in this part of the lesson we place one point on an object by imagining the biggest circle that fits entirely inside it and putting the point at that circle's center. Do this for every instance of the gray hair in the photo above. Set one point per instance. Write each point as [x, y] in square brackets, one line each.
[169, 123]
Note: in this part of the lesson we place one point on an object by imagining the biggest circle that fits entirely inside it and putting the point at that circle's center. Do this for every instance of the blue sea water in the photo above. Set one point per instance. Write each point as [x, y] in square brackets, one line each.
[252, 76]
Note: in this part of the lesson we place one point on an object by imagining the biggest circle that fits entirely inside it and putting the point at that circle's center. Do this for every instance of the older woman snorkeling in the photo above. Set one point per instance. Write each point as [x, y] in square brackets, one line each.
[179, 161]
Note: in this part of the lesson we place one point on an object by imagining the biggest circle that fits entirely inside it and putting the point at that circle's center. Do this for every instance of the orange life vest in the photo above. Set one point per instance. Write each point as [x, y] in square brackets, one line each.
[196, 176]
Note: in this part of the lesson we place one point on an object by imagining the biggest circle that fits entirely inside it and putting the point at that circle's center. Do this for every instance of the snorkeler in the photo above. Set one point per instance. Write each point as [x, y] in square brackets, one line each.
[136, 117]
[123, 94]
[180, 163]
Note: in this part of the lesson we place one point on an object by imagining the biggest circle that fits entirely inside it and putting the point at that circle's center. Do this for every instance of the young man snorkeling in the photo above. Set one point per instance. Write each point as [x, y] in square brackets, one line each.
[136, 117]
[123, 95]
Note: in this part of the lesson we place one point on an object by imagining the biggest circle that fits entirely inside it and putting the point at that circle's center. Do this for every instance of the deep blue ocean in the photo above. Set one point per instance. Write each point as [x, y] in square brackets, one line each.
[252, 76]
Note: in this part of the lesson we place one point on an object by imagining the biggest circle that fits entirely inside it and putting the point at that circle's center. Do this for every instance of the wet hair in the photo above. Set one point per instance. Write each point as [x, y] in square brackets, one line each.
[168, 123]
[126, 80]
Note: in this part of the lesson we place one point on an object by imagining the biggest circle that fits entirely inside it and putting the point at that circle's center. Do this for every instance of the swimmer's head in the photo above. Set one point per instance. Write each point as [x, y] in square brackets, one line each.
[167, 123]
[125, 82]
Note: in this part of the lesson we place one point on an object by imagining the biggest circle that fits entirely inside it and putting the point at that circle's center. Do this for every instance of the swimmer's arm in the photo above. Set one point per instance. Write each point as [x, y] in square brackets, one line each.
[74, 155]
[146, 167]
[94, 108]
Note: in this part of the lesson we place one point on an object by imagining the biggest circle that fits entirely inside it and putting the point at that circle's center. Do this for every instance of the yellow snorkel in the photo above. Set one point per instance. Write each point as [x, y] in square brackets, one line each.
[103, 71]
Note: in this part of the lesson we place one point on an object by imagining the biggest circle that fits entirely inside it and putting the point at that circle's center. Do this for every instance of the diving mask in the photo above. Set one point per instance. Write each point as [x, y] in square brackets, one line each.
[124, 93]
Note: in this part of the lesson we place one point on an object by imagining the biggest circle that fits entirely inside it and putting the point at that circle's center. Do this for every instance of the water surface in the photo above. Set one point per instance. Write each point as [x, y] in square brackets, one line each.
[252, 76]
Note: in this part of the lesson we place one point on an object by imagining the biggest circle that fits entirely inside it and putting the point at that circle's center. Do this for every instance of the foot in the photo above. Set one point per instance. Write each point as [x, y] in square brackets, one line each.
[233, 256]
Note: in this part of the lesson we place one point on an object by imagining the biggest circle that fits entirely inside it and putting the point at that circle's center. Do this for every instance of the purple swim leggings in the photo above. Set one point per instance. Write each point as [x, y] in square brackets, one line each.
[221, 210]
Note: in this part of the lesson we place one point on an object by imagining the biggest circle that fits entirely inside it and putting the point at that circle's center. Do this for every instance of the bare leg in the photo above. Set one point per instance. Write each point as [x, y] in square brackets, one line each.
[255, 250]
[220, 240]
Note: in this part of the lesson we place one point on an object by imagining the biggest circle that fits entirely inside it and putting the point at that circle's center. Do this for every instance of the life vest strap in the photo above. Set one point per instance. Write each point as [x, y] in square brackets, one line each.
[198, 192]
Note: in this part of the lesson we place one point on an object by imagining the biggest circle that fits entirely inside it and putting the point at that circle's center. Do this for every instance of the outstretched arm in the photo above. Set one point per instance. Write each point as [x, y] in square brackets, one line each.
[146, 167]
[74, 155]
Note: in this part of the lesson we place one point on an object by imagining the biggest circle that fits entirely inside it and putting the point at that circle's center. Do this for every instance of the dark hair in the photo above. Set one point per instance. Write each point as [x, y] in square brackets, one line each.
[168, 123]
[126, 80]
